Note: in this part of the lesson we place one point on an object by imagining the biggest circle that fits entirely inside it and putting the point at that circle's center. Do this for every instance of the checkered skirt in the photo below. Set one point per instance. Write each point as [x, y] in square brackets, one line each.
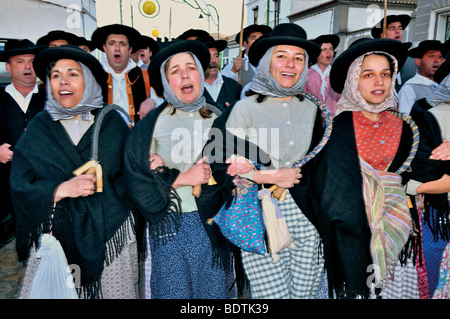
[299, 272]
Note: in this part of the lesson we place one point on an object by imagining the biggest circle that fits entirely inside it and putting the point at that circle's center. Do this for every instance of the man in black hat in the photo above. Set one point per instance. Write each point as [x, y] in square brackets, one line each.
[395, 24]
[318, 82]
[428, 55]
[85, 44]
[126, 86]
[57, 38]
[250, 35]
[219, 89]
[148, 47]
[20, 101]
[192, 34]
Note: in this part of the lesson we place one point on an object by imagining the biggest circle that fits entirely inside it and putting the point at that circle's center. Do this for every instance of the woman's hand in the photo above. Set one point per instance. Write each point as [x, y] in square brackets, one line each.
[287, 177]
[198, 174]
[155, 161]
[282, 177]
[82, 185]
[238, 165]
[442, 152]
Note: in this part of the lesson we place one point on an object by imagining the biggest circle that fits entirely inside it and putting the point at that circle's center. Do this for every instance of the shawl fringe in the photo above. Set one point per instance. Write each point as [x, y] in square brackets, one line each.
[438, 221]
[167, 227]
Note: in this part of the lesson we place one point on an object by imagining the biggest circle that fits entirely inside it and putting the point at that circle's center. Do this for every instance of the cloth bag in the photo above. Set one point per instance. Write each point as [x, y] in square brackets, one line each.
[53, 279]
[242, 222]
[278, 234]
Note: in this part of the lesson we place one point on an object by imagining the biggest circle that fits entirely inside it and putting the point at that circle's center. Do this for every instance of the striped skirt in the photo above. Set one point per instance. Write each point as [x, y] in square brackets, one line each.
[299, 272]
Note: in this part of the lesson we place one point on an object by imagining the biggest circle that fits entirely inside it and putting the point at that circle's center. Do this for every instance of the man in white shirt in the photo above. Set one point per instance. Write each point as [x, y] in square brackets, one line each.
[221, 90]
[20, 101]
[126, 86]
[428, 55]
[250, 35]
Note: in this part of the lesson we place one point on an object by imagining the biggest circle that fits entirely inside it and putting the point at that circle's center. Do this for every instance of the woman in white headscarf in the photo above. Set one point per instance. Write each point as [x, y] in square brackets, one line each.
[358, 188]
[89, 214]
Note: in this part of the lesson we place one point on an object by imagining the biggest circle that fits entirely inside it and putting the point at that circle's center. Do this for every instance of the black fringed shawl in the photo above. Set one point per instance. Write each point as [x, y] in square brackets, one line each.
[153, 196]
[339, 207]
[424, 169]
[44, 158]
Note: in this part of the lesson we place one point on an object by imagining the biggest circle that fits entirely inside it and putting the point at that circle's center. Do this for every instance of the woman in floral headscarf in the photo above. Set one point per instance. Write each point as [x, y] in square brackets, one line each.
[360, 203]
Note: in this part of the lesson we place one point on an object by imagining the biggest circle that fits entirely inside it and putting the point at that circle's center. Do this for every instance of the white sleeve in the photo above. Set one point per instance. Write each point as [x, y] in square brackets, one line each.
[406, 99]
[226, 71]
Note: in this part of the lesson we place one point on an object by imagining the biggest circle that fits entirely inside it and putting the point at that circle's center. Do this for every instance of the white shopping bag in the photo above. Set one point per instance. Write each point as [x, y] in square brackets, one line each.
[53, 278]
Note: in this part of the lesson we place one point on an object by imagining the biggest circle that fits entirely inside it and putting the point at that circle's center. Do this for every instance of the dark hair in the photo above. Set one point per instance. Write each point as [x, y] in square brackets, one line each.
[261, 97]
[204, 112]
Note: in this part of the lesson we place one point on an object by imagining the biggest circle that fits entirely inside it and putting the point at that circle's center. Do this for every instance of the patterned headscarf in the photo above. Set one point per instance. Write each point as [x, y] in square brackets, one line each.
[92, 99]
[441, 94]
[171, 98]
[351, 99]
[265, 84]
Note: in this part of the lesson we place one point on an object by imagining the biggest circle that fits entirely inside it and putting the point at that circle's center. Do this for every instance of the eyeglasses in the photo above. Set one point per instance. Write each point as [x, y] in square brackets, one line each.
[327, 49]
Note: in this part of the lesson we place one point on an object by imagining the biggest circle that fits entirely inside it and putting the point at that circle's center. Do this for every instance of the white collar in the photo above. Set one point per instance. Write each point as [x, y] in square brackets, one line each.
[109, 69]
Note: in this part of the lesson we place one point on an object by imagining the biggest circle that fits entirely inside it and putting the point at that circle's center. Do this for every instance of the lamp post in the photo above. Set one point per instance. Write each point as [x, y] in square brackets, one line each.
[208, 14]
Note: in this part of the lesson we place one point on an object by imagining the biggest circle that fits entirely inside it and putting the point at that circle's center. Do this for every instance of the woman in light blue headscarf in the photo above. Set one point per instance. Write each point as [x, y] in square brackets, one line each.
[281, 125]
[186, 257]
[89, 214]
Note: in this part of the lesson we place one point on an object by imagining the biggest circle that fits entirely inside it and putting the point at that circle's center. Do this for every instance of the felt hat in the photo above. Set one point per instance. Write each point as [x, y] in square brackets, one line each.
[57, 35]
[377, 29]
[18, 47]
[47, 56]
[425, 46]
[328, 38]
[148, 42]
[192, 33]
[101, 34]
[283, 34]
[264, 29]
[342, 63]
[83, 41]
[197, 48]
[442, 71]
[209, 41]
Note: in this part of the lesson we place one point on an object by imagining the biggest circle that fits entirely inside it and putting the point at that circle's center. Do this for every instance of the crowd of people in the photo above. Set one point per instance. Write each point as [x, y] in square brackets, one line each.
[126, 159]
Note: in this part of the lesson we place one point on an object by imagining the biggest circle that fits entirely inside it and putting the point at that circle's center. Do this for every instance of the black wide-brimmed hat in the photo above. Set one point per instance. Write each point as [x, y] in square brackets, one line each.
[283, 34]
[328, 38]
[377, 29]
[101, 34]
[342, 63]
[209, 41]
[83, 41]
[47, 56]
[192, 33]
[148, 42]
[427, 45]
[442, 71]
[264, 29]
[197, 48]
[18, 47]
[57, 35]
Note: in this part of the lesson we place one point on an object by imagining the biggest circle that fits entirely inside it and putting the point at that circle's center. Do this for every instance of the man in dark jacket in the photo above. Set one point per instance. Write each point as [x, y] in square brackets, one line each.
[219, 89]
[20, 101]
[126, 86]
